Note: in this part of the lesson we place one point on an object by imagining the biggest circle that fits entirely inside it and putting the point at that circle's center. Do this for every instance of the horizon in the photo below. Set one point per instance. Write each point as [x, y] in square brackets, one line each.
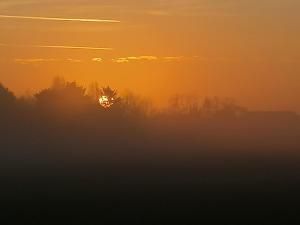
[186, 98]
[245, 50]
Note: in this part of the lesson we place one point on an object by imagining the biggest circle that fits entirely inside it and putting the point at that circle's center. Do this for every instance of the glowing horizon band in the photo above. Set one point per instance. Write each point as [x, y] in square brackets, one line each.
[60, 19]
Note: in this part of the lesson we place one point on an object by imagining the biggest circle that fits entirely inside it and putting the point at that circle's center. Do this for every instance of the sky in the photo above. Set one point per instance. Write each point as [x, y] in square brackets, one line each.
[248, 50]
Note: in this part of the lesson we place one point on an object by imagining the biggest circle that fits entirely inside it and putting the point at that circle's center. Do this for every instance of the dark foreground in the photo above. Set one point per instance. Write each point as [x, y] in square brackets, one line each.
[93, 166]
[194, 177]
[149, 194]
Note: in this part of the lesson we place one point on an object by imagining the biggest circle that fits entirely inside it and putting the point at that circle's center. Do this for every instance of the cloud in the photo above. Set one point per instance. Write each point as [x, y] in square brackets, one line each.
[183, 59]
[36, 61]
[159, 59]
[135, 58]
[120, 60]
[70, 47]
[165, 59]
[59, 19]
[97, 60]
[74, 60]
[173, 58]
[33, 61]
[143, 58]
[56, 46]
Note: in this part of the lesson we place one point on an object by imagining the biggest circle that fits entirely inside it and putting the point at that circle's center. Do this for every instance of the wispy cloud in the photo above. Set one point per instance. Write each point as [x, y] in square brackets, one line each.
[173, 58]
[97, 60]
[147, 57]
[59, 19]
[70, 47]
[161, 59]
[169, 59]
[36, 61]
[56, 46]
[74, 60]
[134, 58]
[33, 61]
[138, 59]
[120, 60]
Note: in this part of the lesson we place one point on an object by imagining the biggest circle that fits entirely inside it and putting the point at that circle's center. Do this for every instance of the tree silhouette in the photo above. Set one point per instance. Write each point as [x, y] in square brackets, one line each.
[226, 108]
[108, 97]
[94, 91]
[107, 91]
[184, 105]
[63, 98]
[133, 104]
[7, 100]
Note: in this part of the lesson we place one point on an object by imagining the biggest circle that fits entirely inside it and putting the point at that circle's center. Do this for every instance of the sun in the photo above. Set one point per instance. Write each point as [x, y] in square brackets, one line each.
[108, 97]
[106, 102]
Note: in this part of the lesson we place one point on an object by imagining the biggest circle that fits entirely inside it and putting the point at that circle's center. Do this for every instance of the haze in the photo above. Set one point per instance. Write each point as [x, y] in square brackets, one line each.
[247, 50]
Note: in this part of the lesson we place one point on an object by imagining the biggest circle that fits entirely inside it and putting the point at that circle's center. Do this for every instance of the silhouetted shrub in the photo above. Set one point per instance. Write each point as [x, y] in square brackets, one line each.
[63, 99]
[7, 100]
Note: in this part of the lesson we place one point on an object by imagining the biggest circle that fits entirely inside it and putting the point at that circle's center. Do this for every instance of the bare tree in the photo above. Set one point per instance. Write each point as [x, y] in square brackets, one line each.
[108, 97]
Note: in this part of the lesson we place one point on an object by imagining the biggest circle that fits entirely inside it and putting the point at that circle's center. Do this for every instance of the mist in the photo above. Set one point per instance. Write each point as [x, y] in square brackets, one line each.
[64, 153]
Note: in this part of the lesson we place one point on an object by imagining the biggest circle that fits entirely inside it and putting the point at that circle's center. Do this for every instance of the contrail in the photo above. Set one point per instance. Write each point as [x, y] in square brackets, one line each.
[59, 19]
[57, 46]
[69, 47]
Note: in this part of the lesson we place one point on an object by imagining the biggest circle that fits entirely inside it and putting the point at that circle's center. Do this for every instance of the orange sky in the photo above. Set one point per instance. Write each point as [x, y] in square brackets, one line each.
[248, 50]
